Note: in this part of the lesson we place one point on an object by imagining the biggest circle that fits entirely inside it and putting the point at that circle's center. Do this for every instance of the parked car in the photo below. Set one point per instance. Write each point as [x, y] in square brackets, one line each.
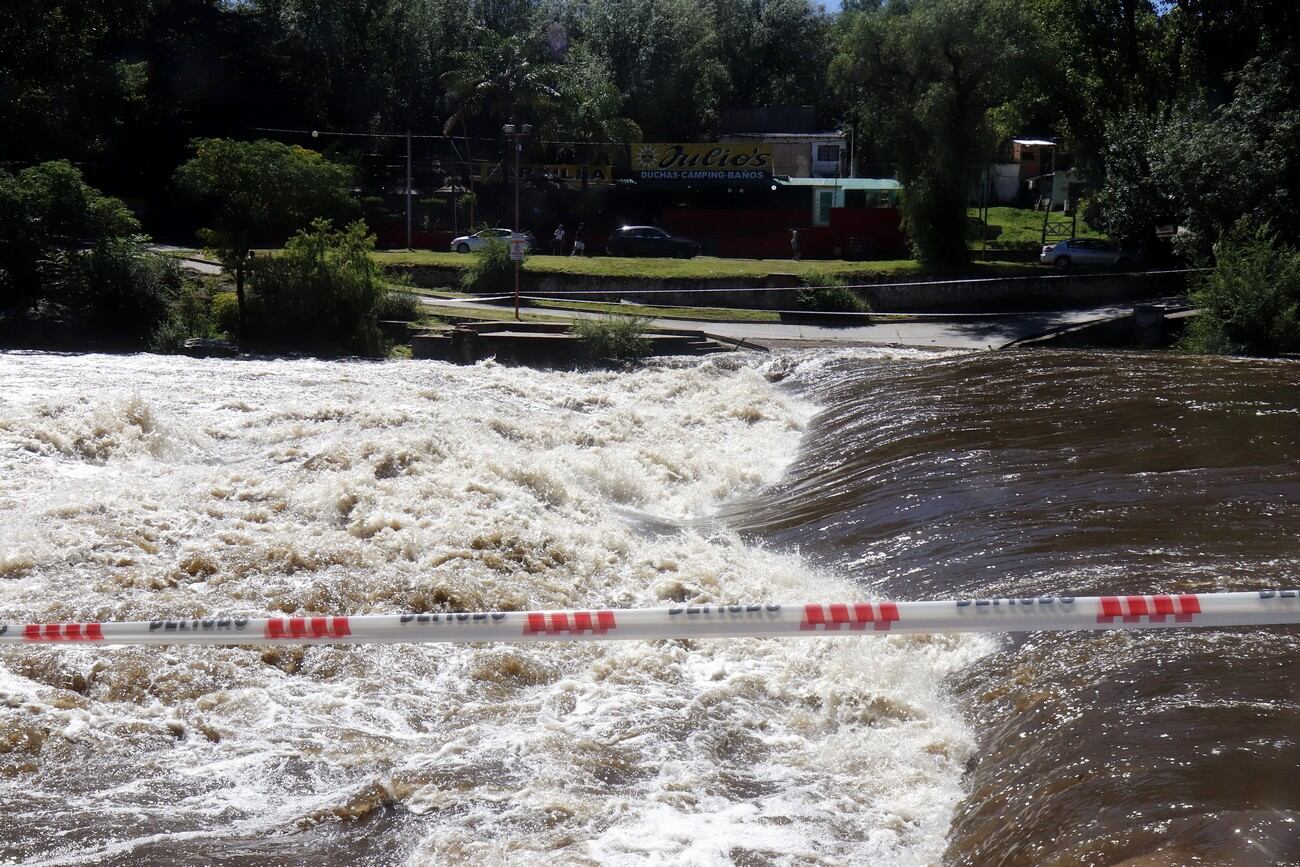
[479, 240]
[649, 241]
[1085, 251]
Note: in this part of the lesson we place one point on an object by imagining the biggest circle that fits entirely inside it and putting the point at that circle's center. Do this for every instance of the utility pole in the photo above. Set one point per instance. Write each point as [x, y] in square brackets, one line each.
[516, 134]
[408, 190]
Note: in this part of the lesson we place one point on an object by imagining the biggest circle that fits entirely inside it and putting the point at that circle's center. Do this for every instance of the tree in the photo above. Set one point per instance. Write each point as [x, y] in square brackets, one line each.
[592, 111]
[43, 210]
[1250, 301]
[1203, 168]
[503, 77]
[260, 192]
[1113, 62]
[664, 58]
[936, 80]
[322, 293]
[776, 51]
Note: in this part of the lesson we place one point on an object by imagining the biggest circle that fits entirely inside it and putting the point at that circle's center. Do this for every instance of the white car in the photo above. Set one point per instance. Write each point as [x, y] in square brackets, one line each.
[479, 240]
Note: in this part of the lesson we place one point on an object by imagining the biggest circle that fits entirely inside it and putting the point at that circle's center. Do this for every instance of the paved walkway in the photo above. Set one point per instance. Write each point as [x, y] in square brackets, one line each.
[979, 331]
[949, 332]
[188, 262]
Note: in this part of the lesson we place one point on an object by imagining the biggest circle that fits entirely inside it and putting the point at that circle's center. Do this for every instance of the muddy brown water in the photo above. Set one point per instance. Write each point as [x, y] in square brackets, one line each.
[135, 487]
[1011, 474]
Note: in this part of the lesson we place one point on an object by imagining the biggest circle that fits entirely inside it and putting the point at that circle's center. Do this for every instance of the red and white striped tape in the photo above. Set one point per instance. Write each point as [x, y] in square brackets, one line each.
[1023, 614]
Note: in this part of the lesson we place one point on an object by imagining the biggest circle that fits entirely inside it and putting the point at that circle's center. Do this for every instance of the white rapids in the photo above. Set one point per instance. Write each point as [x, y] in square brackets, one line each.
[142, 487]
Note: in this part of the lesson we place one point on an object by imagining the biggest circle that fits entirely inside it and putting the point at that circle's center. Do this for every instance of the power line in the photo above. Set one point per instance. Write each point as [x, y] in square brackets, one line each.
[317, 133]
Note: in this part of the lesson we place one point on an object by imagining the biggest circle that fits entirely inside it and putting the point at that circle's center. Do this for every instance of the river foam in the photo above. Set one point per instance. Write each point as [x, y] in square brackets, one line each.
[142, 487]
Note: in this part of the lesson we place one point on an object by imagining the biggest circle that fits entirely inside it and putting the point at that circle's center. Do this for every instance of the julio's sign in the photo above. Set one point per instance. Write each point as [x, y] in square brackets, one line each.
[677, 161]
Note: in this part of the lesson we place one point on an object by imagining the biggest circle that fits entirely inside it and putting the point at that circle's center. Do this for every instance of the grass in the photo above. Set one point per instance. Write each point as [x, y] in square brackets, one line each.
[698, 268]
[1022, 228]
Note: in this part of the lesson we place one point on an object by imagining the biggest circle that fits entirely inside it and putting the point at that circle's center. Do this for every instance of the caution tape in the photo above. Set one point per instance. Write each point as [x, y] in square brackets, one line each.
[813, 620]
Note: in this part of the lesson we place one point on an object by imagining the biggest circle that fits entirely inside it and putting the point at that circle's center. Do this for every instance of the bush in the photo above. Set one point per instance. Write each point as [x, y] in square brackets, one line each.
[617, 338]
[492, 271]
[225, 312]
[825, 292]
[1250, 302]
[169, 337]
[321, 294]
[189, 315]
[117, 288]
[398, 305]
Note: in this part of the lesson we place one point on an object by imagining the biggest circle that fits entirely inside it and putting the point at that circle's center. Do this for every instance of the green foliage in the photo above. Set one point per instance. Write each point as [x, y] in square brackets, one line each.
[502, 77]
[119, 290]
[825, 292]
[46, 210]
[321, 294]
[396, 305]
[261, 191]
[618, 338]
[492, 271]
[592, 110]
[938, 78]
[1204, 168]
[775, 52]
[225, 312]
[189, 314]
[1250, 302]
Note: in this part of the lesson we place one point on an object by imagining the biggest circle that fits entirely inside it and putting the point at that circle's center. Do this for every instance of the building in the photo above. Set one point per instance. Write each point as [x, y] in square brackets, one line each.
[1023, 173]
[799, 150]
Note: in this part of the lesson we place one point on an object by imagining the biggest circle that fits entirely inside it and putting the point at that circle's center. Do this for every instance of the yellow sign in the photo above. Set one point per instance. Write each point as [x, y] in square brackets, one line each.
[691, 158]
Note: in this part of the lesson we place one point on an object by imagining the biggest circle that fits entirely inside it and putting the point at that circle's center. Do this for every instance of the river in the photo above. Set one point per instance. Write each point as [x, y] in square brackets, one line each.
[136, 487]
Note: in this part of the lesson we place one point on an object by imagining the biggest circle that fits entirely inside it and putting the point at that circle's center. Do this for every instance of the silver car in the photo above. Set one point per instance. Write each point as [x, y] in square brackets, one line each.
[1085, 251]
[479, 240]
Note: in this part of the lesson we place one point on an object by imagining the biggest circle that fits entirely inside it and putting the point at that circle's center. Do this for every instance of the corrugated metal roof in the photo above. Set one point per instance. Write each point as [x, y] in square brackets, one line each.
[1039, 142]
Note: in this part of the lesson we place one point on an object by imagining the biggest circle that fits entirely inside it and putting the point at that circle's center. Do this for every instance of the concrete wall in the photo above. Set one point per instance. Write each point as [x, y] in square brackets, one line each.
[904, 295]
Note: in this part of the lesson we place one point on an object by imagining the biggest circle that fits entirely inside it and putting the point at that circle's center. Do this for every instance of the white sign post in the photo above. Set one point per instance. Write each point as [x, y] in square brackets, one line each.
[518, 246]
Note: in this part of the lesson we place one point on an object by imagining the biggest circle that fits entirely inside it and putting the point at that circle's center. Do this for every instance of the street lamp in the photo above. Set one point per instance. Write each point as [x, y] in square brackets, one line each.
[517, 133]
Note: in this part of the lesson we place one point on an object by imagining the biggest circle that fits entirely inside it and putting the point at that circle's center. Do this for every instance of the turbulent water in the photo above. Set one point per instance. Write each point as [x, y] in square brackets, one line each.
[142, 487]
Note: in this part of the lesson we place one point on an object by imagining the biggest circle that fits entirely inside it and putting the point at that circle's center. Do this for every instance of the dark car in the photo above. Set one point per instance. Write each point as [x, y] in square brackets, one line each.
[649, 241]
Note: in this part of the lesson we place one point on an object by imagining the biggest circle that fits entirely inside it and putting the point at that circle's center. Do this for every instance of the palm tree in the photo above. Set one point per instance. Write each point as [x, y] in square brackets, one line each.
[498, 80]
[591, 112]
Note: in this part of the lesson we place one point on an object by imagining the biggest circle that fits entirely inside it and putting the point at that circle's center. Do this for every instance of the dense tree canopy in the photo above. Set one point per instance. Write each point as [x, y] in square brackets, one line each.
[260, 192]
[1150, 95]
[935, 78]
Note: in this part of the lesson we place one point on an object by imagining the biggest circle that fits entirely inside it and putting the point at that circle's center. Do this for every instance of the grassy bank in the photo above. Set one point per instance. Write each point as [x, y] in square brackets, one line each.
[1022, 228]
[701, 267]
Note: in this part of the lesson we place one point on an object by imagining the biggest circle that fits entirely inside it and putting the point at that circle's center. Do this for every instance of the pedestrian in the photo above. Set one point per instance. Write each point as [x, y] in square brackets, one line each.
[579, 245]
[557, 241]
[794, 244]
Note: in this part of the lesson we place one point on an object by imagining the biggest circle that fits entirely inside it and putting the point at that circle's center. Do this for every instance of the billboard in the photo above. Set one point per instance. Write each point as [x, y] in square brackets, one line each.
[691, 162]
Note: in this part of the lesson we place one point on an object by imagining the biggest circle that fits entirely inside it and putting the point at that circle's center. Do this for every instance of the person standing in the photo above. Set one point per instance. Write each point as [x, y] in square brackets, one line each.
[794, 244]
[579, 244]
[557, 241]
